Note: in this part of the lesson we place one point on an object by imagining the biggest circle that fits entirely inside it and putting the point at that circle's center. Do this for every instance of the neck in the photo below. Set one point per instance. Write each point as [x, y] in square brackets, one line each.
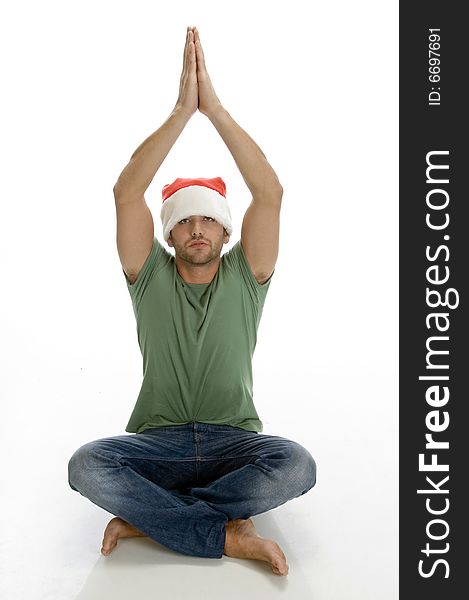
[197, 273]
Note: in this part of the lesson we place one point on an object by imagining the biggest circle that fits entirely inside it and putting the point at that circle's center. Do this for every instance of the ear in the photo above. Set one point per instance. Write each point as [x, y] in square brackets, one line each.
[170, 241]
[226, 236]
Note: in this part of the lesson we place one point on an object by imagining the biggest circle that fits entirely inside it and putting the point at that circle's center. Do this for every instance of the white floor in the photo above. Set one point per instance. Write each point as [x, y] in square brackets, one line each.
[53, 553]
[340, 538]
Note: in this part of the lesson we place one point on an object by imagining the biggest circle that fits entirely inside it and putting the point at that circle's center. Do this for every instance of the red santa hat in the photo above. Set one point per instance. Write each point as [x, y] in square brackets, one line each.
[188, 197]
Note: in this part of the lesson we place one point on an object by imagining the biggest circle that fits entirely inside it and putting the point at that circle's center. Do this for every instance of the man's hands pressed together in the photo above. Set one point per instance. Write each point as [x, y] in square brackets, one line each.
[196, 89]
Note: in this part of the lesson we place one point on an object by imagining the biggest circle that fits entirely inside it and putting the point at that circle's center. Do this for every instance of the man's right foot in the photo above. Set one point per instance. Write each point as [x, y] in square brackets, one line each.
[117, 528]
[242, 541]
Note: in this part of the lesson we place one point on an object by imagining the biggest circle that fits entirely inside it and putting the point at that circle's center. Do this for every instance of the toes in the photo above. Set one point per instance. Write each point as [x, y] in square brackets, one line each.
[282, 571]
[108, 547]
[279, 564]
[107, 551]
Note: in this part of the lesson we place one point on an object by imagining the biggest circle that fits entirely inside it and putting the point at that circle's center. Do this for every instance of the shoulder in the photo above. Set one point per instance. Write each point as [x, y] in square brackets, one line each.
[236, 260]
[157, 259]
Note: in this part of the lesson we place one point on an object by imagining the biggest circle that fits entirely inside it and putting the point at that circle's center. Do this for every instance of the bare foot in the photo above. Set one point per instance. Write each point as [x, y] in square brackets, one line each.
[242, 541]
[117, 528]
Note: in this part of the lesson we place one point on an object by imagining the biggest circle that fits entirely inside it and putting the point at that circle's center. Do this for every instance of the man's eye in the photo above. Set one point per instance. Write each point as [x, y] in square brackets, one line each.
[182, 221]
[209, 219]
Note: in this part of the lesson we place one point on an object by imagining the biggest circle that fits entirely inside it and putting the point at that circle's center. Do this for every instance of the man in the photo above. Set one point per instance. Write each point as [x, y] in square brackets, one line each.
[195, 466]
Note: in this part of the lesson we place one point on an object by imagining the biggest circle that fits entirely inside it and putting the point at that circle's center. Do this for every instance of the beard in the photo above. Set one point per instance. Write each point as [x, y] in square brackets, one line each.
[199, 256]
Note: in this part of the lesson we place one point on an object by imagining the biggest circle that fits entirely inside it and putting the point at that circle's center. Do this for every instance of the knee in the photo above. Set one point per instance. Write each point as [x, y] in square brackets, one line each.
[75, 467]
[303, 468]
[82, 461]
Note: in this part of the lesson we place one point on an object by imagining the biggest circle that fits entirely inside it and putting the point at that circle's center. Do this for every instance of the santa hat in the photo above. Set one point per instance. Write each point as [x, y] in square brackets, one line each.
[187, 197]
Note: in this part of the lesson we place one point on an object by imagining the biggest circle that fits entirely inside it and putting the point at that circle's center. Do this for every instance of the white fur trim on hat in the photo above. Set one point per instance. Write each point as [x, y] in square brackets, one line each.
[195, 200]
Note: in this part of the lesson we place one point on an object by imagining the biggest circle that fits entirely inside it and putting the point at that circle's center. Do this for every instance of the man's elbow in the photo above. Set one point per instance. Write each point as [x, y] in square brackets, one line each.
[278, 195]
[277, 191]
[276, 186]
[270, 194]
[280, 191]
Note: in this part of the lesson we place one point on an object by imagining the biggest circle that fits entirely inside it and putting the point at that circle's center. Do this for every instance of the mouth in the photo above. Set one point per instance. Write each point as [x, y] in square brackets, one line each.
[197, 244]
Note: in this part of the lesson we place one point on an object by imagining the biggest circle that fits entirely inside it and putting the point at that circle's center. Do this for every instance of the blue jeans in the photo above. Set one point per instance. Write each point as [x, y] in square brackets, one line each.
[179, 485]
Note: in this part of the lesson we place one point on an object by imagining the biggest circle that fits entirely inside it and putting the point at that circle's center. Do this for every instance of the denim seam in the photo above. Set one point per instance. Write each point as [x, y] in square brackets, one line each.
[158, 459]
[230, 457]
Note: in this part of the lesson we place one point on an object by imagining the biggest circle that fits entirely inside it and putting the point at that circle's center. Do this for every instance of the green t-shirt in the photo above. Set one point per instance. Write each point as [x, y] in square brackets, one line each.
[197, 341]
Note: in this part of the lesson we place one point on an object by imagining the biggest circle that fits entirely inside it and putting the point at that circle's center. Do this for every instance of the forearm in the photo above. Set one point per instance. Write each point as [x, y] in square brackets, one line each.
[148, 157]
[250, 160]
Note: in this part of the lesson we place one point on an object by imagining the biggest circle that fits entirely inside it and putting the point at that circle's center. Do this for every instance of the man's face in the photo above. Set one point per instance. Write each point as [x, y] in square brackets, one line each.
[198, 240]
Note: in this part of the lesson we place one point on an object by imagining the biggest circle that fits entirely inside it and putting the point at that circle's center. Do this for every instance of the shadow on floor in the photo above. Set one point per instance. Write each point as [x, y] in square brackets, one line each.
[142, 568]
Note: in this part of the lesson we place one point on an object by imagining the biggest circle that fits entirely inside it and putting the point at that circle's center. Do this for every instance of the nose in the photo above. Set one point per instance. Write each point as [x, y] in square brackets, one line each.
[197, 228]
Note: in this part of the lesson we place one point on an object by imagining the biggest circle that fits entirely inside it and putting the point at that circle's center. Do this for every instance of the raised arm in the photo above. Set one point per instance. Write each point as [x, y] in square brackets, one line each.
[135, 229]
[260, 229]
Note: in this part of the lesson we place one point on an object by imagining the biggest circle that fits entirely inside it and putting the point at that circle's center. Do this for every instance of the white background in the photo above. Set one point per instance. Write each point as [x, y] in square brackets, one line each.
[315, 85]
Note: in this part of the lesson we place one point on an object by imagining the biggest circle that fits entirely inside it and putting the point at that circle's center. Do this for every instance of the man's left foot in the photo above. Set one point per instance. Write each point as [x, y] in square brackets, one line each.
[243, 541]
[117, 528]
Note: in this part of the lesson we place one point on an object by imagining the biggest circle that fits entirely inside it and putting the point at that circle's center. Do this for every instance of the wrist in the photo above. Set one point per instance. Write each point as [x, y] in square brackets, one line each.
[182, 113]
[216, 112]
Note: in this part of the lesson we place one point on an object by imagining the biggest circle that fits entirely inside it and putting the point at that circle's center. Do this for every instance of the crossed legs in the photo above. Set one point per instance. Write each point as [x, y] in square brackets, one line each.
[193, 488]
